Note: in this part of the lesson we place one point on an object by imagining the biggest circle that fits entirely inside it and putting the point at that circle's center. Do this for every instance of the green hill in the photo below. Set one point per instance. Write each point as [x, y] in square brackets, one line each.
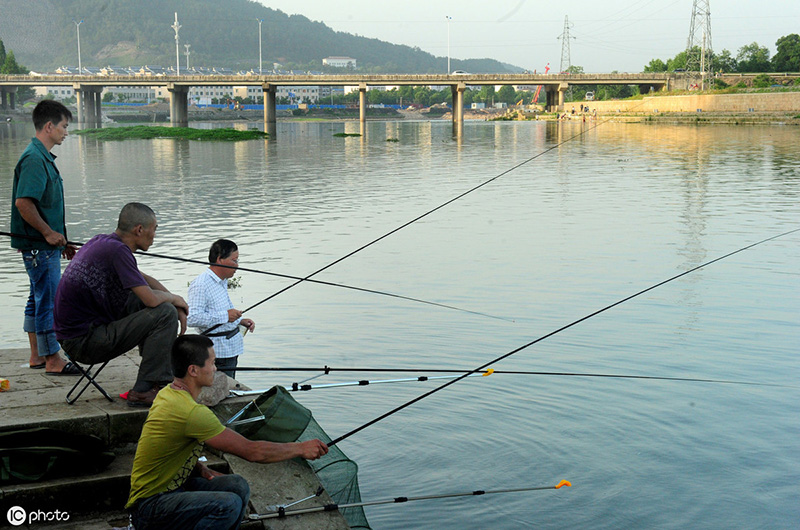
[221, 34]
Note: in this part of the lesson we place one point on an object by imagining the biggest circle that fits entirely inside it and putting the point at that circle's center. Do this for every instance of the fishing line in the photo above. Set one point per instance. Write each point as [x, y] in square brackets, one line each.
[268, 273]
[333, 507]
[559, 330]
[327, 370]
[429, 212]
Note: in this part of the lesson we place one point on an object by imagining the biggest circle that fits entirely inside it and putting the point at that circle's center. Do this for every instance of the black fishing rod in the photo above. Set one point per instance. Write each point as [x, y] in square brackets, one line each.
[559, 330]
[286, 276]
[280, 513]
[301, 387]
[327, 370]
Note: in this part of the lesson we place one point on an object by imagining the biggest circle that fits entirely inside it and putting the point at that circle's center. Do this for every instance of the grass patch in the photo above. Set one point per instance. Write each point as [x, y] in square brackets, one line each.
[345, 135]
[146, 132]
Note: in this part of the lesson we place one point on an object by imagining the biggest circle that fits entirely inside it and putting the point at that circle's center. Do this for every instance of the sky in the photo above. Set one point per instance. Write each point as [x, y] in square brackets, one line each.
[609, 35]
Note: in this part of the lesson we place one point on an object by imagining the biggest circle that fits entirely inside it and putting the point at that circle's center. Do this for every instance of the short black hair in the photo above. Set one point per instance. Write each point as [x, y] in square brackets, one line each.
[221, 249]
[134, 214]
[188, 350]
[49, 111]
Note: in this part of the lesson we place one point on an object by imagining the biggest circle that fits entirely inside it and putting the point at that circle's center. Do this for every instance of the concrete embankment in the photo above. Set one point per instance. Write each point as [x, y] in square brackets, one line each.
[96, 501]
[781, 107]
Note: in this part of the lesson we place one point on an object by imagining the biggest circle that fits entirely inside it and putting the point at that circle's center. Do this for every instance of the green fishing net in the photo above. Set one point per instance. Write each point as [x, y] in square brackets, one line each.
[286, 420]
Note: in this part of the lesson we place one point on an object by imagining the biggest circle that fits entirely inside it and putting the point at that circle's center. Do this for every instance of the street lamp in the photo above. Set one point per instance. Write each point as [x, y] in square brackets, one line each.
[78, 30]
[260, 20]
[177, 27]
[186, 53]
[448, 42]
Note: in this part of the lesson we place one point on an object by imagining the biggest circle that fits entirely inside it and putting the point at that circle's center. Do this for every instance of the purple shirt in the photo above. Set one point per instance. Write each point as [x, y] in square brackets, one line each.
[95, 286]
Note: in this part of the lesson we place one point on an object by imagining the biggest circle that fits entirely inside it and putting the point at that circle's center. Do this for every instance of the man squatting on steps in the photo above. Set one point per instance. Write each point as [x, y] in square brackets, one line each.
[170, 488]
[105, 305]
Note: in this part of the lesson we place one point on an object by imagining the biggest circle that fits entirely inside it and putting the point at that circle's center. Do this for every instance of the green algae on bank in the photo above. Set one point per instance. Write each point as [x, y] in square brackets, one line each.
[145, 132]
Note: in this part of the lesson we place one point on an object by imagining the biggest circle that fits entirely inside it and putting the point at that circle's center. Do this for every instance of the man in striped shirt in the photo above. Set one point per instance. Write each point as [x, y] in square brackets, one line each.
[210, 306]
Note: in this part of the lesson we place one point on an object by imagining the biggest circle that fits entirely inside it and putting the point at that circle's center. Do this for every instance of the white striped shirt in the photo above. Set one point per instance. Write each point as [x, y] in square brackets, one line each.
[208, 305]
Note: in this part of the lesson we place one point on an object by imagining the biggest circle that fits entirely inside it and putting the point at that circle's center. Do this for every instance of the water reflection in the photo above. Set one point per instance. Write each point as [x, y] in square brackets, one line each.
[565, 233]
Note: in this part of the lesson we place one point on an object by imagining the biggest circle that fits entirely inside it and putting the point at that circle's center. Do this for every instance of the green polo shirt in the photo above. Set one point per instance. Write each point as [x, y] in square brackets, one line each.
[36, 177]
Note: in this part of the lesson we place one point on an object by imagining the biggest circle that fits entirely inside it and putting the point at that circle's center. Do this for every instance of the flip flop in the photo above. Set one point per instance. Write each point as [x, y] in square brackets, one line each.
[69, 369]
[36, 366]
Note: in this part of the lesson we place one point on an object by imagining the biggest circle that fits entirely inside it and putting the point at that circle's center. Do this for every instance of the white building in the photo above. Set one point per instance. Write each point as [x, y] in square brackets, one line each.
[340, 62]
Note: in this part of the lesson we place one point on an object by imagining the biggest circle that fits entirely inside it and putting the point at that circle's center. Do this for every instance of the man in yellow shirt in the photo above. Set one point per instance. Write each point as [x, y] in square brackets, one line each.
[169, 487]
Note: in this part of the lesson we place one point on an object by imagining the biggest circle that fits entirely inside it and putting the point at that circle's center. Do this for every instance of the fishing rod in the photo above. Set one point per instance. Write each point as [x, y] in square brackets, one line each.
[298, 387]
[429, 212]
[286, 276]
[327, 370]
[334, 507]
[559, 330]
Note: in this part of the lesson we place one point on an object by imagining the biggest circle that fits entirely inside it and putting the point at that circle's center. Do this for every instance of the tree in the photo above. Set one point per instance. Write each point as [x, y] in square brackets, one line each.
[2, 52]
[486, 94]
[507, 94]
[677, 62]
[725, 62]
[656, 65]
[753, 58]
[788, 57]
[108, 97]
[10, 65]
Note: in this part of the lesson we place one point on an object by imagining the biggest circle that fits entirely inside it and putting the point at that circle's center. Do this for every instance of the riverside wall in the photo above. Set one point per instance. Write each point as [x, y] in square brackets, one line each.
[782, 102]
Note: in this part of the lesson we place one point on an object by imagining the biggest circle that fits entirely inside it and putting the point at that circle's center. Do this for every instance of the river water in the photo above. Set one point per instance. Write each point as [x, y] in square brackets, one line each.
[612, 210]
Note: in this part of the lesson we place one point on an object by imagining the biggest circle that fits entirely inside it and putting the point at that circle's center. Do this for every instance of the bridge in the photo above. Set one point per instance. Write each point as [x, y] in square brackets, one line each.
[89, 88]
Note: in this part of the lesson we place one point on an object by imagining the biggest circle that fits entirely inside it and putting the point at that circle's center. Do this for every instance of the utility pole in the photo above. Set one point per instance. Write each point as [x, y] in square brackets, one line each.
[78, 29]
[260, 70]
[566, 62]
[186, 53]
[448, 42]
[177, 27]
[698, 46]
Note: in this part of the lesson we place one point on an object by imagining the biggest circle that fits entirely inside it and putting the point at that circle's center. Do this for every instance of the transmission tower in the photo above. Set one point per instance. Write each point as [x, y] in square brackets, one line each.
[565, 37]
[698, 47]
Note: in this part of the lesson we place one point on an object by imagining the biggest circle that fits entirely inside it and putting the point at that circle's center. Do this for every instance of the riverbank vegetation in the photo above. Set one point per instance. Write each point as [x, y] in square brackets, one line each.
[145, 132]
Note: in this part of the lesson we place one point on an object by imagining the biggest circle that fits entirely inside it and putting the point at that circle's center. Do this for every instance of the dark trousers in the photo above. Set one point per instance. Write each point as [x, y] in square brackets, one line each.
[227, 365]
[153, 329]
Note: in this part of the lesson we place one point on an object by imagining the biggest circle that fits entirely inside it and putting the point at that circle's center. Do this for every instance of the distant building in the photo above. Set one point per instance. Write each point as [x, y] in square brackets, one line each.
[340, 62]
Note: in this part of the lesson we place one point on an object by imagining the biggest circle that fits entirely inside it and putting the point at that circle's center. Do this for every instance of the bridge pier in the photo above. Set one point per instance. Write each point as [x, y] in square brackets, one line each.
[178, 105]
[270, 114]
[362, 102]
[89, 103]
[8, 97]
[457, 92]
[551, 97]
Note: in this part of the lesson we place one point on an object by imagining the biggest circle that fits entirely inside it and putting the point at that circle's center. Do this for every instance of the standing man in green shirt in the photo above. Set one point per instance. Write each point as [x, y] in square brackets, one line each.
[37, 212]
[170, 488]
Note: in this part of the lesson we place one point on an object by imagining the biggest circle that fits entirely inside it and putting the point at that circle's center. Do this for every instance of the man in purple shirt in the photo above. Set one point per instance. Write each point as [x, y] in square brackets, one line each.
[105, 306]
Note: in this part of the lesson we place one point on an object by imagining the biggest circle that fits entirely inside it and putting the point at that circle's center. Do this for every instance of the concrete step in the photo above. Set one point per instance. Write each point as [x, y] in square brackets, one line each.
[82, 496]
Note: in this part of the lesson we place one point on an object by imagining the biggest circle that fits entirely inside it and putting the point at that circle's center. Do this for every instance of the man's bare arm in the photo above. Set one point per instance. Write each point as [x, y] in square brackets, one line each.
[264, 452]
[27, 209]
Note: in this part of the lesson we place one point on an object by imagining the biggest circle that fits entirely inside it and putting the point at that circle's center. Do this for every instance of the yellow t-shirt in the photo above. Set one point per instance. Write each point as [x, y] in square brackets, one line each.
[171, 442]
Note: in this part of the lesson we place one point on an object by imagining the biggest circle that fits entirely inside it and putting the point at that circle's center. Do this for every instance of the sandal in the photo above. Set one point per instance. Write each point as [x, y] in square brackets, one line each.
[69, 369]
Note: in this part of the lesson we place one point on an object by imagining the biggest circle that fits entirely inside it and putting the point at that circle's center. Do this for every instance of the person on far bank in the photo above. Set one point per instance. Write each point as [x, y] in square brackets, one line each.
[170, 488]
[105, 306]
[37, 212]
[210, 305]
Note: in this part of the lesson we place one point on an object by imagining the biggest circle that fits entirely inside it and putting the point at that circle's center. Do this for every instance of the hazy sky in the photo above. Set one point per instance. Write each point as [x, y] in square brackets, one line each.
[609, 35]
